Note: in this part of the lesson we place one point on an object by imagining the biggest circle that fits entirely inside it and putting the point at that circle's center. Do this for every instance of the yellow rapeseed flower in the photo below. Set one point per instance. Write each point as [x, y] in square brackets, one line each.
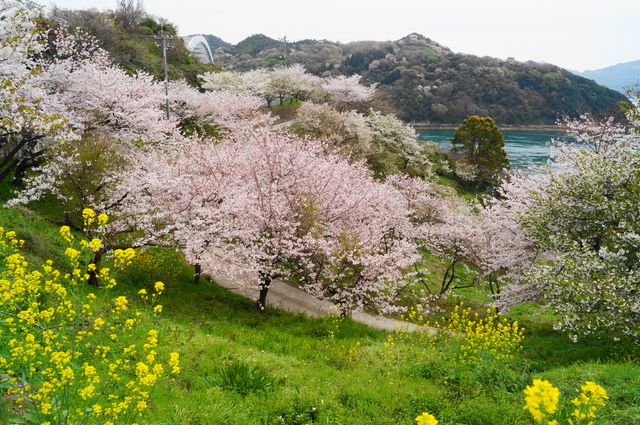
[98, 323]
[65, 232]
[541, 399]
[73, 254]
[88, 216]
[174, 362]
[159, 287]
[95, 245]
[103, 219]
[48, 355]
[426, 419]
[87, 392]
[121, 303]
[124, 257]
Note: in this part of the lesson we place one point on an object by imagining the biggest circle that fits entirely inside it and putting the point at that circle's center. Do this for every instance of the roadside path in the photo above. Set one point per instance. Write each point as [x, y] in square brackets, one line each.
[288, 296]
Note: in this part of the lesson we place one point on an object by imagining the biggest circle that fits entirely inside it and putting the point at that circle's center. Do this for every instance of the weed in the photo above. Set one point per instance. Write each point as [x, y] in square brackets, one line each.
[244, 378]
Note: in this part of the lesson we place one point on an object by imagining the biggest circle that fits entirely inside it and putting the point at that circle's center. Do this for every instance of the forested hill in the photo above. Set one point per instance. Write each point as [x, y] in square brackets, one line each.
[425, 82]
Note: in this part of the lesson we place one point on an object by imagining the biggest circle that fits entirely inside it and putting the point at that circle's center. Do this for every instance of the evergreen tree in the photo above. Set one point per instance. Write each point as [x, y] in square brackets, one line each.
[482, 147]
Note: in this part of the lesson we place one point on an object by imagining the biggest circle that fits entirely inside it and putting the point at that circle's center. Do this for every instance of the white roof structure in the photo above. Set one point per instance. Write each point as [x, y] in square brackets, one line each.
[199, 48]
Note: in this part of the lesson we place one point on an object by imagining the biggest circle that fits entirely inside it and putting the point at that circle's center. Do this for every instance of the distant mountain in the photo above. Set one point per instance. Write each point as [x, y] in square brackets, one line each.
[215, 42]
[424, 82]
[620, 77]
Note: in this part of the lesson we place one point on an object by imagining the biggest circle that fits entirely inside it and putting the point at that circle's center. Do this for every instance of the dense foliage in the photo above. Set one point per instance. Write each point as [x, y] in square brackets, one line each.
[481, 146]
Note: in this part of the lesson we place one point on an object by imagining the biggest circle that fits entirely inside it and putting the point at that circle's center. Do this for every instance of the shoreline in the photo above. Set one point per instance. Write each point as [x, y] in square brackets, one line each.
[552, 128]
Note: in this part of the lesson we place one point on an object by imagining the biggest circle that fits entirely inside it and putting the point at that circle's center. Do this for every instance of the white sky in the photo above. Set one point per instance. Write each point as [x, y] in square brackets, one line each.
[574, 34]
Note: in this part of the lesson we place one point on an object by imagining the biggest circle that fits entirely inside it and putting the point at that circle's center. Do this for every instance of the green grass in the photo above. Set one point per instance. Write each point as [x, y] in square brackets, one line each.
[285, 112]
[42, 238]
[333, 370]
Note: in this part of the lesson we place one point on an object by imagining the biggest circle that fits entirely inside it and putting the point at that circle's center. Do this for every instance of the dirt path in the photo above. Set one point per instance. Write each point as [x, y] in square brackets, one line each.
[290, 297]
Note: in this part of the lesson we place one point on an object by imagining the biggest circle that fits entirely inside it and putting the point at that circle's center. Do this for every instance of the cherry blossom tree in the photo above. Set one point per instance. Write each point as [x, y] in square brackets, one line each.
[291, 82]
[392, 134]
[446, 228]
[257, 82]
[26, 125]
[506, 251]
[262, 203]
[584, 219]
[477, 244]
[97, 96]
[112, 115]
[346, 92]
[107, 109]
[212, 113]
[229, 81]
[343, 132]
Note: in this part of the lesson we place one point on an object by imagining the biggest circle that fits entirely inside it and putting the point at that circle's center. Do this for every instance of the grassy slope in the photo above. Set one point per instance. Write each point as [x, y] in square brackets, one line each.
[332, 371]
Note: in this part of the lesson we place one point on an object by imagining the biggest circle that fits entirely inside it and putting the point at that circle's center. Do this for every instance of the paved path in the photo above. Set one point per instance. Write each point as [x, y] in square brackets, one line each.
[290, 297]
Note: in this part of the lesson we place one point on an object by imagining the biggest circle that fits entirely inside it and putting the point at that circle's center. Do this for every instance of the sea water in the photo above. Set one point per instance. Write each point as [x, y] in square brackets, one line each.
[525, 148]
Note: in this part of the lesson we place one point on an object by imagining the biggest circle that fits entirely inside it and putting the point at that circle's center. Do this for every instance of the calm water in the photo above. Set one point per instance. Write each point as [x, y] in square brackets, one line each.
[524, 148]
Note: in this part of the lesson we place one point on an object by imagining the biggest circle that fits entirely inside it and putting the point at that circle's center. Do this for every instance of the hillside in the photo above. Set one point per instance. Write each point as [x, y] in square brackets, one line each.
[425, 82]
[620, 77]
[238, 365]
[133, 44]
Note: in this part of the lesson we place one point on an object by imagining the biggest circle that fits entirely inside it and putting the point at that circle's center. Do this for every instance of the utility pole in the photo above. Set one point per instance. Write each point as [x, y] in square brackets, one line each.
[284, 41]
[166, 71]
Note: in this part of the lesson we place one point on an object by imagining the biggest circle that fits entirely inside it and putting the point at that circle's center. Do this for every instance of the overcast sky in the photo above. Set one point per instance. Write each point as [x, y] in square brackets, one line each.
[575, 34]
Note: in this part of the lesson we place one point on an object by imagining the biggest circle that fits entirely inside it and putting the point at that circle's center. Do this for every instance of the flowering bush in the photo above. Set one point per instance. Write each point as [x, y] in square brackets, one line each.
[66, 355]
[475, 338]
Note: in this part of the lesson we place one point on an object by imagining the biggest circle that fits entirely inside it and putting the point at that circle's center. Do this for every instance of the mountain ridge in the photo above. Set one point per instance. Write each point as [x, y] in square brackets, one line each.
[620, 77]
[424, 82]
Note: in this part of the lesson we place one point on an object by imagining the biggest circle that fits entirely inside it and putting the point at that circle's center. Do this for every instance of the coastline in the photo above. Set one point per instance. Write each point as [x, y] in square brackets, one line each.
[552, 128]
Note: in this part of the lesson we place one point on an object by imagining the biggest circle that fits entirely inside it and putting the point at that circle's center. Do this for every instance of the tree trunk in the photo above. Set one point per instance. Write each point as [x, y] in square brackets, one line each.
[93, 273]
[22, 166]
[345, 312]
[265, 284]
[198, 273]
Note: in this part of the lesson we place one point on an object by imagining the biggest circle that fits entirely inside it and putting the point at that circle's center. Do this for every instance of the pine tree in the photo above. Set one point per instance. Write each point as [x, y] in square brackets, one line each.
[482, 146]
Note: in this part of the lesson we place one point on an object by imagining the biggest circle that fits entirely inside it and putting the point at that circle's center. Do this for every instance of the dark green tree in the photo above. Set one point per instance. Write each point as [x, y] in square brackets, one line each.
[481, 144]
